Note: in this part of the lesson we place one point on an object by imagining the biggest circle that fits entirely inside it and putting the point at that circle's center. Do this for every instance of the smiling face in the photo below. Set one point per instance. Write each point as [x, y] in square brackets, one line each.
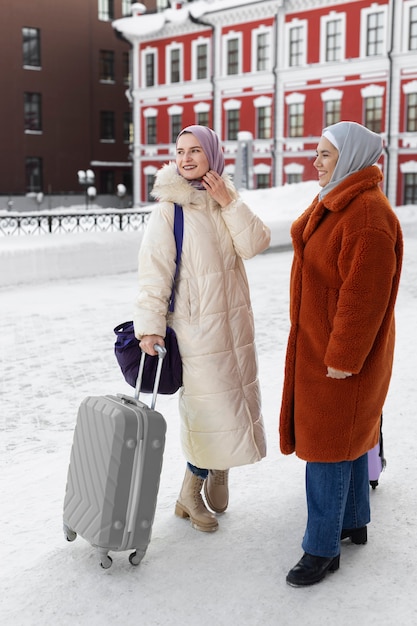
[325, 163]
[191, 160]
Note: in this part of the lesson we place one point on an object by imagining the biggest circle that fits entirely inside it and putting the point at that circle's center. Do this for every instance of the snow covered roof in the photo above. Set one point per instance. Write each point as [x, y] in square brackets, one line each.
[142, 24]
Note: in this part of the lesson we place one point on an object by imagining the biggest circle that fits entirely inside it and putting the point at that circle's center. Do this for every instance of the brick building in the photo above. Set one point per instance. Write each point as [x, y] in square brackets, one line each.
[63, 108]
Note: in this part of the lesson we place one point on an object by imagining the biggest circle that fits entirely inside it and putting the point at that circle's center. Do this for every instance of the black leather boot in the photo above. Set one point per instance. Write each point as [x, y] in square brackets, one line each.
[311, 569]
[356, 535]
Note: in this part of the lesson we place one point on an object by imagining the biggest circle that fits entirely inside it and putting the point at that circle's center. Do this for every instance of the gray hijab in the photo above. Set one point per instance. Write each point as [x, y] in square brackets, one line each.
[358, 148]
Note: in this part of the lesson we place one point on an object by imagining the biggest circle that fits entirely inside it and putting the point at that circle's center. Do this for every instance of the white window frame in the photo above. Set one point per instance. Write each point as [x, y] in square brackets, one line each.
[262, 30]
[406, 24]
[144, 52]
[226, 38]
[258, 103]
[169, 49]
[194, 65]
[324, 20]
[175, 109]
[374, 8]
[126, 7]
[149, 112]
[296, 23]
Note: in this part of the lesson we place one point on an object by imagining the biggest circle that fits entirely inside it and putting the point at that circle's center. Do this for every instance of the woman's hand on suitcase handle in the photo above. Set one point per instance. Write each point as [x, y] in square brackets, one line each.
[148, 341]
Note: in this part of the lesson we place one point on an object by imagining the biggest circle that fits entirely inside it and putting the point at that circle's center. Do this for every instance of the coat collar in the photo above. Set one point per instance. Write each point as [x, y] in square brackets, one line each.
[339, 197]
[335, 201]
[172, 187]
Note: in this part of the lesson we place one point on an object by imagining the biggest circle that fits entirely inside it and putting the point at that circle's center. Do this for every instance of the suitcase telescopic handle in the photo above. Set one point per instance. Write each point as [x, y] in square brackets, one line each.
[161, 355]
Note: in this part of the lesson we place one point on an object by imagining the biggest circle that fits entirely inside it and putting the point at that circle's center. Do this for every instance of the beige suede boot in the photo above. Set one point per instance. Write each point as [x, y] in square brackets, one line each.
[216, 490]
[190, 504]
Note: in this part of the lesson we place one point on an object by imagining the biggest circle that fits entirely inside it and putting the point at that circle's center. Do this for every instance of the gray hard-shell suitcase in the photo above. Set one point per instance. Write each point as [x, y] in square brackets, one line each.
[114, 472]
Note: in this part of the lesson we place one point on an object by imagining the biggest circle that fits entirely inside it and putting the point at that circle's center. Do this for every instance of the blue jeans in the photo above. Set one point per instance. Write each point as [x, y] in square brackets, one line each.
[337, 498]
[201, 473]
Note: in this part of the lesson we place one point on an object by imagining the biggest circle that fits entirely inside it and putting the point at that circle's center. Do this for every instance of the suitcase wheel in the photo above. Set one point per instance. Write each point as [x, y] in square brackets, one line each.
[106, 562]
[373, 483]
[70, 535]
[135, 558]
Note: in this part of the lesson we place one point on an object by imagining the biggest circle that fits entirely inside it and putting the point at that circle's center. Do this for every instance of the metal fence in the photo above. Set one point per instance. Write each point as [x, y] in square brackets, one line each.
[71, 222]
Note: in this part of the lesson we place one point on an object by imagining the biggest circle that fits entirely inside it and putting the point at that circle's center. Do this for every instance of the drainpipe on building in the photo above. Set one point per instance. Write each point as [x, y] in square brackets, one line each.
[275, 73]
[278, 144]
[389, 104]
[200, 22]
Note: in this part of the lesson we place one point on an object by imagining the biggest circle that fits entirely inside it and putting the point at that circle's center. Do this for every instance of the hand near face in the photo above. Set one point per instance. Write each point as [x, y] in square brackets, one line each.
[216, 187]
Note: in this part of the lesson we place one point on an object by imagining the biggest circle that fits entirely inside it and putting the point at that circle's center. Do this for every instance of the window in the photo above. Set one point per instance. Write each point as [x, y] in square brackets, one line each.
[149, 181]
[174, 65]
[150, 129]
[296, 119]
[106, 10]
[33, 111]
[202, 113]
[232, 55]
[149, 69]
[410, 188]
[412, 36]
[126, 68]
[373, 113]
[161, 5]
[203, 118]
[106, 68]
[261, 48]
[176, 125]
[264, 122]
[107, 185]
[296, 44]
[126, 7]
[107, 126]
[332, 112]
[31, 47]
[33, 166]
[375, 31]
[411, 113]
[293, 173]
[262, 181]
[333, 40]
[202, 61]
[263, 51]
[233, 124]
[127, 127]
[293, 178]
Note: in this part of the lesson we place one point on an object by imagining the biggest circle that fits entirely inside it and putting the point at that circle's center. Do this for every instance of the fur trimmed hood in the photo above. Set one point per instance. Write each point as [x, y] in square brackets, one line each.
[172, 187]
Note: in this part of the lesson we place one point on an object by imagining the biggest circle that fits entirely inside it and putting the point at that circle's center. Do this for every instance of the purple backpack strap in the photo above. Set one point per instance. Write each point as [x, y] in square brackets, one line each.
[178, 234]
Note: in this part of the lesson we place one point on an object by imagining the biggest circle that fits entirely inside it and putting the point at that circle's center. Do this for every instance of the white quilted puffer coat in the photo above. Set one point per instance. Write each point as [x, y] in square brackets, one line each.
[220, 402]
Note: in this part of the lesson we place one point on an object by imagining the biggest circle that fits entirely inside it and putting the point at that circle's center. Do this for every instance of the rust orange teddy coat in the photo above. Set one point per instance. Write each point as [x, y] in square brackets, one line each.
[344, 283]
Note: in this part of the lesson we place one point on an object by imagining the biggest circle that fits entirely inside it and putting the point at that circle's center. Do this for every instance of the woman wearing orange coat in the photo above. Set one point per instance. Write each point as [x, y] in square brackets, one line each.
[344, 283]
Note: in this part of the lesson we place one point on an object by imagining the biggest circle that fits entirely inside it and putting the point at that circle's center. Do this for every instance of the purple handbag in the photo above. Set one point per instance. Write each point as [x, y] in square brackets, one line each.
[127, 351]
[127, 347]
[376, 461]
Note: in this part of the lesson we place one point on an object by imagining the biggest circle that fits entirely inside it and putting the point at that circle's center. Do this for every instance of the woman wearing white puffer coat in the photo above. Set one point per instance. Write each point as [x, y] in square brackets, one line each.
[220, 403]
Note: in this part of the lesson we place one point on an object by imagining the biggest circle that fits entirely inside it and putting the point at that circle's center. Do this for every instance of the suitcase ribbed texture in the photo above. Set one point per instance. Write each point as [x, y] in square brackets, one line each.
[100, 473]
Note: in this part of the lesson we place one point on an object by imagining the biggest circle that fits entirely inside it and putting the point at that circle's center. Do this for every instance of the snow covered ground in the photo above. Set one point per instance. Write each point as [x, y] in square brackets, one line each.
[56, 346]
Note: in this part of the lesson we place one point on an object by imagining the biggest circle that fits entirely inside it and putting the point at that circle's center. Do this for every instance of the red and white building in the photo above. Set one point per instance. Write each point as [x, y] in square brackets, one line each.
[268, 75]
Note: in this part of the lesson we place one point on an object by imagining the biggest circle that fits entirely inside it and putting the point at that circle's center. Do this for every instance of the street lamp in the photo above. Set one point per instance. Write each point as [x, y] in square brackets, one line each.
[86, 179]
[121, 192]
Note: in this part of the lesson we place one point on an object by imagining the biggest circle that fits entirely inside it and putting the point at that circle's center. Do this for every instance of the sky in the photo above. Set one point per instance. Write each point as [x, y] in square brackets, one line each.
[61, 296]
